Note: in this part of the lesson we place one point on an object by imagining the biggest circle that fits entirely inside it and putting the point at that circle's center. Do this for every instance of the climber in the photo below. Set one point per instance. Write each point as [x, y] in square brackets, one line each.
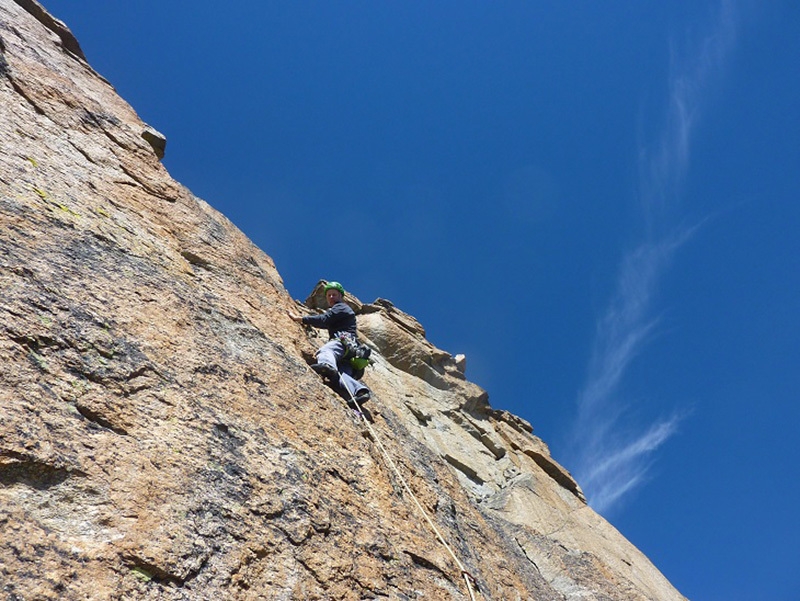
[340, 320]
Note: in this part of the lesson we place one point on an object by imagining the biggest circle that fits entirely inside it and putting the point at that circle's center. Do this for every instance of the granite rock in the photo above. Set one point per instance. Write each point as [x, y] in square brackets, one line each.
[162, 435]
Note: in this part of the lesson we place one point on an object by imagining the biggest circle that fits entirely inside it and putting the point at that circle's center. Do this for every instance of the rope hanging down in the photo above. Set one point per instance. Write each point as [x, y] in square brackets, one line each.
[468, 578]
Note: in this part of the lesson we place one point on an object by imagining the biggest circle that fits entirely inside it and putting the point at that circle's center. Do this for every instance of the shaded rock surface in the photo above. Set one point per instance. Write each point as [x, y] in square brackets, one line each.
[162, 436]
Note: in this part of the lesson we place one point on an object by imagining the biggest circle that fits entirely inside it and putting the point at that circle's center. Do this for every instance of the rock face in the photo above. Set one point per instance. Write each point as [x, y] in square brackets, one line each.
[162, 436]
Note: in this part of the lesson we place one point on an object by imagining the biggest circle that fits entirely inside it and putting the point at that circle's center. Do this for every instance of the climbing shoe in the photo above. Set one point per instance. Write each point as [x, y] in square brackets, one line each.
[362, 397]
[326, 371]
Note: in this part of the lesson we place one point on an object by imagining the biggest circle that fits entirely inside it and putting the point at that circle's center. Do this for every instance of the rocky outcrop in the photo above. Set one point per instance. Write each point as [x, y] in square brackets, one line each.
[162, 436]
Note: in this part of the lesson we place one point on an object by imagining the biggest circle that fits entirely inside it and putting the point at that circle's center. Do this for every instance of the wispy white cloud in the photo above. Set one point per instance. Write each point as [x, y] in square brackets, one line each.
[663, 162]
[626, 466]
[611, 463]
[614, 459]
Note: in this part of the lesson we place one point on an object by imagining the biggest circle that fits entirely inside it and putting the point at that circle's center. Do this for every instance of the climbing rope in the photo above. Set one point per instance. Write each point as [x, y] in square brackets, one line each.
[468, 578]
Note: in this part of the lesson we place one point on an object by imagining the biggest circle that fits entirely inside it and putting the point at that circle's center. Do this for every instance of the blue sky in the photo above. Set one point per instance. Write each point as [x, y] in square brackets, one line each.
[596, 202]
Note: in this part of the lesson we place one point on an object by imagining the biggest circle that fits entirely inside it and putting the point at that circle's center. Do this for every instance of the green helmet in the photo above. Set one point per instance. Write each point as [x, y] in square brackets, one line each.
[334, 286]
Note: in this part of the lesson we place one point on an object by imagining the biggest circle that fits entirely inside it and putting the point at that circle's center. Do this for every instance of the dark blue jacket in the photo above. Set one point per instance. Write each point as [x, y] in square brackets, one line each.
[339, 318]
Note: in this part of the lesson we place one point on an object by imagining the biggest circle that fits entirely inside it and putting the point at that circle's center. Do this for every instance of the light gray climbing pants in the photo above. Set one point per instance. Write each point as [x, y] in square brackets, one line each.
[332, 354]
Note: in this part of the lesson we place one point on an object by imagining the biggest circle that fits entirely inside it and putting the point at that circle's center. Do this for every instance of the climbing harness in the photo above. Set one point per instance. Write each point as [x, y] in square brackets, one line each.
[355, 353]
[468, 578]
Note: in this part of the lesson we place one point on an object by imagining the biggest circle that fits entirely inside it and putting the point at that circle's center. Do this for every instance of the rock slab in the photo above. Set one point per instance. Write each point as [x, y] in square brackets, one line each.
[162, 436]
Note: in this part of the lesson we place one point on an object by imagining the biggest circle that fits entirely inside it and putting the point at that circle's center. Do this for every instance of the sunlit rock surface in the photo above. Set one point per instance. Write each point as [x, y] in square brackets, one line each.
[161, 433]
